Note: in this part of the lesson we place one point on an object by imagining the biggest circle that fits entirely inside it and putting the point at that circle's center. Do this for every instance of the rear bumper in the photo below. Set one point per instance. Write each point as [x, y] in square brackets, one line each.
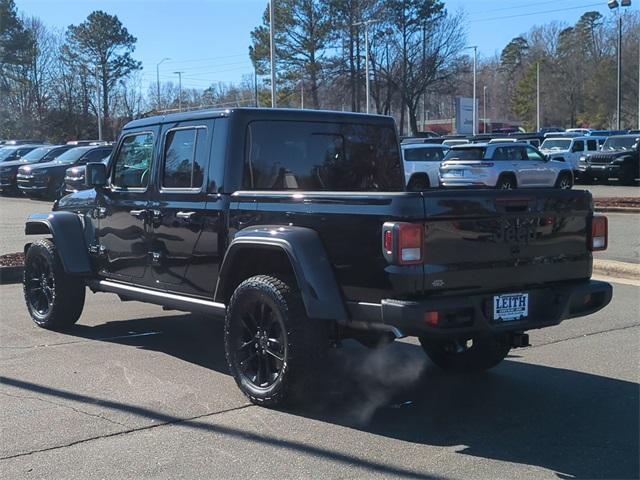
[473, 315]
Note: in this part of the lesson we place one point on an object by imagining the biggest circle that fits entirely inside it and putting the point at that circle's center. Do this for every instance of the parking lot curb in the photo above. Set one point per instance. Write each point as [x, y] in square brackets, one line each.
[617, 210]
[10, 275]
[617, 269]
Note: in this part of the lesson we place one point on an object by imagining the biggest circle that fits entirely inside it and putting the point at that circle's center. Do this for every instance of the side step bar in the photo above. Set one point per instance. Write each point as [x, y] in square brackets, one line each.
[169, 300]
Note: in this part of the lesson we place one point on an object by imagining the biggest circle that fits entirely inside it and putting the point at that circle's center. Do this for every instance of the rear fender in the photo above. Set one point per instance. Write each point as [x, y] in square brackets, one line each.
[311, 267]
[67, 231]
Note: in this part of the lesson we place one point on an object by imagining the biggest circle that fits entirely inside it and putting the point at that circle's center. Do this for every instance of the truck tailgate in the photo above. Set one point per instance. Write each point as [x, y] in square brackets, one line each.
[502, 240]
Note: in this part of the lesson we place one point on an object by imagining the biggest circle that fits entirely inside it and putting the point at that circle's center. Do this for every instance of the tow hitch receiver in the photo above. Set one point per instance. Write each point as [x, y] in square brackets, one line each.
[520, 340]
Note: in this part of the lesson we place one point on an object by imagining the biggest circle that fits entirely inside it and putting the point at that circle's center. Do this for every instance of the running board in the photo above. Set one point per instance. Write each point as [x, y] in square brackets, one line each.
[169, 300]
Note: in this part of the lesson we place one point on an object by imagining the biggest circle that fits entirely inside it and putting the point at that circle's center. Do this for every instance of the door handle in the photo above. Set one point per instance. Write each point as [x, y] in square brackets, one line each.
[186, 216]
[140, 214]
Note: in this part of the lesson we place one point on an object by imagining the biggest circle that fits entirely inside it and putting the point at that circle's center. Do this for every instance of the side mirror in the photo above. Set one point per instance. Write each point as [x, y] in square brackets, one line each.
[95, 175]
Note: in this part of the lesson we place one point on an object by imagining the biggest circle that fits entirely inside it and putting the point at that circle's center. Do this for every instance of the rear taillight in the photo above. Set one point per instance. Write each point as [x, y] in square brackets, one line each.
[402, 243]
[599, 238]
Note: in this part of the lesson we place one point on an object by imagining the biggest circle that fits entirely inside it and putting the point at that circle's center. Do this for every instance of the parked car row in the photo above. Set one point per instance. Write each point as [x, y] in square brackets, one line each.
[576, 156]
[41, 170]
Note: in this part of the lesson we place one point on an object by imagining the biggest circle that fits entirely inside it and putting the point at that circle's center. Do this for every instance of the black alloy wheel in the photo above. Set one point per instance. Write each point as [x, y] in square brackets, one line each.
[54, 298]
[272, 347]
[40, 286]
[261, 345]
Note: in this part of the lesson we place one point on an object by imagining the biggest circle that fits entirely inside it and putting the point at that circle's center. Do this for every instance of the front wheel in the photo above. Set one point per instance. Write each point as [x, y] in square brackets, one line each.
[273, 349]
[466, 356]
[564, 182]
[54, 298]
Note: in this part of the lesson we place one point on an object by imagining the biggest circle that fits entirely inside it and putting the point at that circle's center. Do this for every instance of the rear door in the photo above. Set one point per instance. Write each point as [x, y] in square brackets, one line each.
[123, 232]
[179, 208]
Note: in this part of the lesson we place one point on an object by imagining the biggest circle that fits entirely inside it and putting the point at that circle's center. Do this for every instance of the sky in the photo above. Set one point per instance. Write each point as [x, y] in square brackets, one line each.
[208, 40]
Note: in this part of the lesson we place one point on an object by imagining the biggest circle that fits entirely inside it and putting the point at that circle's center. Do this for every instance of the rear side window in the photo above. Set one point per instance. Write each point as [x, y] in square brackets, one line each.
[465, 154]
[321, 156]
[510, 153]
[133, 161]
[184, 158]
[423, 154]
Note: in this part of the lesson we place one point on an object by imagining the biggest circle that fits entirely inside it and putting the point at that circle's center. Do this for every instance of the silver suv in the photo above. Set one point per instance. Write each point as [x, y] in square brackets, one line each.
[502, 165]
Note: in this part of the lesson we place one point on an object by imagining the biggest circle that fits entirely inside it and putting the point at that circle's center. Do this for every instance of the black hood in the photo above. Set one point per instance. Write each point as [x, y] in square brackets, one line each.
[14, 163]
[47, 165]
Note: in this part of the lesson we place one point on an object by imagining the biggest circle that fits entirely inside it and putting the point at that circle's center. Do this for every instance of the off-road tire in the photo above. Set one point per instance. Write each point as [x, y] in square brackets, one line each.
[304, 343]
[418, 182]
[65, 292]
[486, 352]
[506, 182]
[564, 181]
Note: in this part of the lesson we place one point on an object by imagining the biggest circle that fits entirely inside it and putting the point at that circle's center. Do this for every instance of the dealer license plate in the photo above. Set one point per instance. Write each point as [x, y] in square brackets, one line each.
[513, 306]
[455, 173]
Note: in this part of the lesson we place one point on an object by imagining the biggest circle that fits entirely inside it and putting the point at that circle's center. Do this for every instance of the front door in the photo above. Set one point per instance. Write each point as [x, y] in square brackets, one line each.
[123, 227]
[181, 241]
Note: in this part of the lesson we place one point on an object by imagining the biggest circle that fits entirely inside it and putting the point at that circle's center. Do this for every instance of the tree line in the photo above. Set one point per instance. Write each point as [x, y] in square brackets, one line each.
[54, 83]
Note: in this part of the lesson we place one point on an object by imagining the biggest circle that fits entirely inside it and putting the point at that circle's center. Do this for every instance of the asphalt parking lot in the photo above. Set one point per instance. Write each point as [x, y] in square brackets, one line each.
[133, 391]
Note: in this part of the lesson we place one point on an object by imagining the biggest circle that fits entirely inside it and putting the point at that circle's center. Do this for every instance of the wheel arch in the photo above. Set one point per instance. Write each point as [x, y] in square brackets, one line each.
[67, 232]
[287, 250]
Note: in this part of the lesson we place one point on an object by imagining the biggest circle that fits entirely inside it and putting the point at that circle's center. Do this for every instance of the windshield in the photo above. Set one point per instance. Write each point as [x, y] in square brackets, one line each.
[6, 153]
[465, 154]
[36, 155]
[71, 156]
[423, 154]
[620, 143]
[556, 144]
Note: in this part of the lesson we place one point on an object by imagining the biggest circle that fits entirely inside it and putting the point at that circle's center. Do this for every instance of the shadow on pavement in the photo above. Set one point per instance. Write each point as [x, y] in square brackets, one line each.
[577, 424]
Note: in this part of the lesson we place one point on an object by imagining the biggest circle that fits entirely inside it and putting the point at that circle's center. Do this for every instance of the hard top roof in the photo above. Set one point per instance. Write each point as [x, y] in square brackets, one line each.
[261, 113]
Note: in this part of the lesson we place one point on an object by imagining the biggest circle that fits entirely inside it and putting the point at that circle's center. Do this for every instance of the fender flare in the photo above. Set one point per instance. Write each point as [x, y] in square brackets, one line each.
[313, 271]
[67, 231]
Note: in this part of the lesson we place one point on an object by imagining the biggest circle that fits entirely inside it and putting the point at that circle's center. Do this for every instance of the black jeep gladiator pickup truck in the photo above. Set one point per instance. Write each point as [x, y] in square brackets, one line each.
[295, 227]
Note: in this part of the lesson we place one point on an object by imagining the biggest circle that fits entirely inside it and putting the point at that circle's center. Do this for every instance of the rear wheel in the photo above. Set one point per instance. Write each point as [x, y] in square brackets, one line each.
[506, 182]
[272, 347]
[564, 181]
[54, 298]
[418, 182]
[468, 355]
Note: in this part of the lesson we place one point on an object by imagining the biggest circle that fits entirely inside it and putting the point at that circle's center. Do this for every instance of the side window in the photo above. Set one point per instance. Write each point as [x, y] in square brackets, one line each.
[534, 155]
[184, 158]
[578, 146]
[592, 145]
[133, 161]
[499, 154]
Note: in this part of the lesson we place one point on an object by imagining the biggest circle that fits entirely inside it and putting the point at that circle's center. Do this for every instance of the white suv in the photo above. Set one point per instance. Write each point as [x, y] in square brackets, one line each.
[502, 165]
[421, 164]
[570, 149]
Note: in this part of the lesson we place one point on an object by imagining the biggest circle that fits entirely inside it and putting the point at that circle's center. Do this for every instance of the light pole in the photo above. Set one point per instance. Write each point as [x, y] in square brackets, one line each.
[179, 89]
[158, 77]
[475, 59]
[98, 102]
[272, 49]
[366, 24]
[615, 5]
[537, 96]
[484, 109]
